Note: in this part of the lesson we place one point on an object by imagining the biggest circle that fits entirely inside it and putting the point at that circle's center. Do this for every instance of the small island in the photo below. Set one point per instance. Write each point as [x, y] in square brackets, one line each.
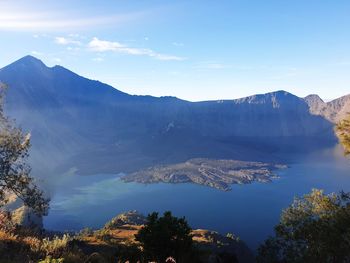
[219, 174]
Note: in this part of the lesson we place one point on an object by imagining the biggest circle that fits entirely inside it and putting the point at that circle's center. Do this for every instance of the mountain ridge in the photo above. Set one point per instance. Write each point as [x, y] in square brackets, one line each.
[30, 60]
[90, 127]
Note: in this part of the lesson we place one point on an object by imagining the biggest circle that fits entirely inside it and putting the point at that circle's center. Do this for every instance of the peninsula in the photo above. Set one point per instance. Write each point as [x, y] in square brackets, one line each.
[219, 174]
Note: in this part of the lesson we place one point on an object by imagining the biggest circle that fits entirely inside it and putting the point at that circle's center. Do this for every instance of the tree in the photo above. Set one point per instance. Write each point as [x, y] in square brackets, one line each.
[166, 236]
[315, 228]
[14, 170]
[343, 132]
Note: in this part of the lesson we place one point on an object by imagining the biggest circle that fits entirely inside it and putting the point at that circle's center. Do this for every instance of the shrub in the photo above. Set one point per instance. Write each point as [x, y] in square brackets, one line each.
[166, 236]
[343, 131]
[6, 224]
[55, 246]
[315, 228]
[52, 260]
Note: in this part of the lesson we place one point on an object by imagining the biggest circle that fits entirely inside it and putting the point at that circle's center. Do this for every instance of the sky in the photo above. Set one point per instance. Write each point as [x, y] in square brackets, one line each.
[194, 50]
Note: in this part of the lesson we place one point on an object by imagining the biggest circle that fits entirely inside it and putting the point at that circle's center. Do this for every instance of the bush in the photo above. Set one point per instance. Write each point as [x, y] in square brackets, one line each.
[343, 131]
[315, 228]
[166, 236]
[55, 246]
[6, 224]
[52, 260]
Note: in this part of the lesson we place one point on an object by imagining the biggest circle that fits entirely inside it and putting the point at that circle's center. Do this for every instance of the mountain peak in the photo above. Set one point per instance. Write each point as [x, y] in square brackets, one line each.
[276, 94]
[30, 60]
[275, 97]
[27, 63]
[280, 94]
[314, 98]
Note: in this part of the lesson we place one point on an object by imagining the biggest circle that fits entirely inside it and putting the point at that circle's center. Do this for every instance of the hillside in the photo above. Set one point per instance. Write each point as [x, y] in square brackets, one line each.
[115, 242]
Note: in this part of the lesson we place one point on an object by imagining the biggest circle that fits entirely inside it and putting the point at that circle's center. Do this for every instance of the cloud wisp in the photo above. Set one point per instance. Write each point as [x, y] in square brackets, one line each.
[19, 20]
[66, 41]
[178, 44]
[98, 45]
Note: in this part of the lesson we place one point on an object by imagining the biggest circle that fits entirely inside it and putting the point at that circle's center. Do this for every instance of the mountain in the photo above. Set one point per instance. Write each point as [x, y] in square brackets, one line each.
[333, 111]
[85, 126]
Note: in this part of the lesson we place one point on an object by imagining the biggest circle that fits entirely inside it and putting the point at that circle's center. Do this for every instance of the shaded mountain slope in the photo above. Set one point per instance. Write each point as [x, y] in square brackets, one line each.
[82, 123]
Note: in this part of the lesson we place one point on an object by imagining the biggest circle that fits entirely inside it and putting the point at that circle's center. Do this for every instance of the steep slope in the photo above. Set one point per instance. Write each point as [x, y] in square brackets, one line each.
[85, 125]
[276, 114]
[333, 111]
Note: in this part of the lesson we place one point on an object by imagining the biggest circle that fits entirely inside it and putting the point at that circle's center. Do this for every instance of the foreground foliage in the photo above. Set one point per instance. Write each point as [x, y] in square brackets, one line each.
[166, 236]
[315, 228]
[116, 242]
[343, 132]
[14, 171]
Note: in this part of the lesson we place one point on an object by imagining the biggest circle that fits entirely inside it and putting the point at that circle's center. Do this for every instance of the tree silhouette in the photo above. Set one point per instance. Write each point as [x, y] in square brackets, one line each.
[164, 237]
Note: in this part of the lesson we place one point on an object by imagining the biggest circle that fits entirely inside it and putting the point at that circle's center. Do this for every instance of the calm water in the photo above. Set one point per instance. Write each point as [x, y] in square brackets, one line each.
[249, 211]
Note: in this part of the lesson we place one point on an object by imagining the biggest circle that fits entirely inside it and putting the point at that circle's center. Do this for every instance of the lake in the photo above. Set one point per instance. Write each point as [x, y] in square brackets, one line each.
[249, 211]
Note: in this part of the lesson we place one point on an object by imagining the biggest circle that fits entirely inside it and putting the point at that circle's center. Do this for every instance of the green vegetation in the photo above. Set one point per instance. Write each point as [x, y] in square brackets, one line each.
[14, 171]
[343, 132]
[315, 228]
[166, 236]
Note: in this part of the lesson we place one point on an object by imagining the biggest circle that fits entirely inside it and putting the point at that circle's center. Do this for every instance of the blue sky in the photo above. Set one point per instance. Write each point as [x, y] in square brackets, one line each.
[195, 50]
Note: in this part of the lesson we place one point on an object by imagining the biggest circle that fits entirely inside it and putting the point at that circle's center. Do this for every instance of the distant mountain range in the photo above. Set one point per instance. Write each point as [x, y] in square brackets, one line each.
[89, 127]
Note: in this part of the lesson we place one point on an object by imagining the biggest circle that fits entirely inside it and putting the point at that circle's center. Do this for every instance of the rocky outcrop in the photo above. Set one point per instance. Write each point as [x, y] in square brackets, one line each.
[25, 216]
[334, 111]
[127, 218]
[21, 214]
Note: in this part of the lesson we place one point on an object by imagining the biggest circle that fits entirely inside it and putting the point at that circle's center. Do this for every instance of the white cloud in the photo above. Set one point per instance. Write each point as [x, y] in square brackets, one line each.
[75, 35]
[73, 48]
[36, 53]
[20, 18]
[37, 36]
[57, 60]
[66, 41]
[98, 45]
[178, 44]
[98, 59]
